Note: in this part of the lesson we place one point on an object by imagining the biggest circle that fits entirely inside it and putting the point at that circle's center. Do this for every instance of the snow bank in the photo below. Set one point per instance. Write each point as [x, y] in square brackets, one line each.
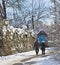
[20, 31]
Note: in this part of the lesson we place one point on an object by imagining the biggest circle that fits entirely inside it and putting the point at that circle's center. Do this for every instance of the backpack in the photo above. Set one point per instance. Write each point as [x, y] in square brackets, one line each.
[42, 39]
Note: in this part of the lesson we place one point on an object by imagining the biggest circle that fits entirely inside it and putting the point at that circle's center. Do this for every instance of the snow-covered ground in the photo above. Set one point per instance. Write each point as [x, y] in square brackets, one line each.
[11, 59]
[5, 60]
[42, 61]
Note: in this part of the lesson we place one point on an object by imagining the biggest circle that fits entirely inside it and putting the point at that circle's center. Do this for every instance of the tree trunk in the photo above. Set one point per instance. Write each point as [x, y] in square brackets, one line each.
[4, 8]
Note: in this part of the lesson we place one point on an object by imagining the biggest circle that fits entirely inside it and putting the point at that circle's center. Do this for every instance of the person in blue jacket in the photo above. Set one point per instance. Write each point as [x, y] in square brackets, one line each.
[42, 38]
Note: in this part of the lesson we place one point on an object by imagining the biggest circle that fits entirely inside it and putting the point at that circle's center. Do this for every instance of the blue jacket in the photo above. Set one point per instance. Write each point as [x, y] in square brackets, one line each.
[41, 39]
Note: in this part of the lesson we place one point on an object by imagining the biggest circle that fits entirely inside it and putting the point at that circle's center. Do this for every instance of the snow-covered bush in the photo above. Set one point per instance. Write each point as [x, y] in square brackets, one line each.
[17, 39]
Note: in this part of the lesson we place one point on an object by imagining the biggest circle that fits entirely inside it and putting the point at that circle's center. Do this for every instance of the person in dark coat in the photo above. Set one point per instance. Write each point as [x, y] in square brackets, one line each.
[36, 47]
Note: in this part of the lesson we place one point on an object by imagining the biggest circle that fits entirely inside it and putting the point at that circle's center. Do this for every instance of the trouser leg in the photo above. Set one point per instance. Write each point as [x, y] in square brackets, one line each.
[43, 51]
[37, 50]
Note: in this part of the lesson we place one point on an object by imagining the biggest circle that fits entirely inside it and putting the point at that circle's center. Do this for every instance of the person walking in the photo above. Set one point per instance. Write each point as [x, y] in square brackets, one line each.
[42, 38]
[36, 47]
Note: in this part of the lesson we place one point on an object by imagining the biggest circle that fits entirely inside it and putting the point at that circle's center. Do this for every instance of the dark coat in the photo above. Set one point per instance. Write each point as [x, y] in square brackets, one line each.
[43, 46]
[36, 45]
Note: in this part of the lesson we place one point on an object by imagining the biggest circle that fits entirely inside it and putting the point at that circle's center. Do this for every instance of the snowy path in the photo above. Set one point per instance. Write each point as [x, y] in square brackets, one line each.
[16, 58]
[41, 61]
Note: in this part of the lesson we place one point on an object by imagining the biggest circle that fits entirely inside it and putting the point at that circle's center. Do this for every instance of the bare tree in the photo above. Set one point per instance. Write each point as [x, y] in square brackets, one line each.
[56, 11]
